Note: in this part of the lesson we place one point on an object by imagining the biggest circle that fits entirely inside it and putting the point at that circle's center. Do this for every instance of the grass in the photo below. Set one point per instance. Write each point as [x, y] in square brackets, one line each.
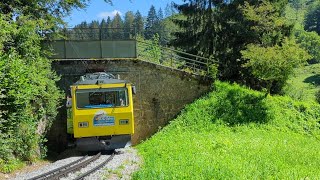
[304, 83]
[12, 165]
[236, 133]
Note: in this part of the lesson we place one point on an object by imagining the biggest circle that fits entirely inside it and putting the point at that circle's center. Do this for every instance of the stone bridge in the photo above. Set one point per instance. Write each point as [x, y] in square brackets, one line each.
[162, 92]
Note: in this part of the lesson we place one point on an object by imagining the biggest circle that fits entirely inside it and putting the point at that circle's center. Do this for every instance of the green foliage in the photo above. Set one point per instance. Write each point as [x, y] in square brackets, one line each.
[318, 96]
[139, 24]
[9, 166]
[304, 83]
[313, 18]
[152, 23]
[276, 63]
[224, 29]
[128, 24]
[213, 71]
[29, 96]
[268, 27]
[151, 50]
[197, 34]
[310, 41]
[216, 137]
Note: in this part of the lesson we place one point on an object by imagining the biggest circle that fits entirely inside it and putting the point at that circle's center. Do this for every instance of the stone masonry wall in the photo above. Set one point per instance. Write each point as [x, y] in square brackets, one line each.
[162, 93]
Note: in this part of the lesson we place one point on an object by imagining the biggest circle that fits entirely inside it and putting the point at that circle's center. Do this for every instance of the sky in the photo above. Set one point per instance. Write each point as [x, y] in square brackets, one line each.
[99, 9]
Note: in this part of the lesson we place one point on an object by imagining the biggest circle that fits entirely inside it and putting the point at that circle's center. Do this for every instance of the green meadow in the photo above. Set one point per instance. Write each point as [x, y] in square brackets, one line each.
[236, 133]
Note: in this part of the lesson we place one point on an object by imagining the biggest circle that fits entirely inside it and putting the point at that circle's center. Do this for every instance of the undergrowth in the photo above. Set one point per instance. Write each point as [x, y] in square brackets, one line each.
[236, 133]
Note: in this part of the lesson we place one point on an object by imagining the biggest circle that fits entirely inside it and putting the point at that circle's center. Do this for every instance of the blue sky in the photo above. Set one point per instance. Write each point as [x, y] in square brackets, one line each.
[98, 9]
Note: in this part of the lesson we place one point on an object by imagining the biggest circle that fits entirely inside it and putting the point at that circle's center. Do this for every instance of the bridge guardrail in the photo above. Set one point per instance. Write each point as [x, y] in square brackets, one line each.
[74, 34]
[174, 58]
[107, 43]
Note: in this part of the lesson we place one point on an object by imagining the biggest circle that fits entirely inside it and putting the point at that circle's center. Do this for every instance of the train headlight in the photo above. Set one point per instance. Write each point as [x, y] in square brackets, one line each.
[124, 121]
[83, 124]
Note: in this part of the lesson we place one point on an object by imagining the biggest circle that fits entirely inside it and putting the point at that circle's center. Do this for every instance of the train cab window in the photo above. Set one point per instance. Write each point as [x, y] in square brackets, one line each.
[102, 98]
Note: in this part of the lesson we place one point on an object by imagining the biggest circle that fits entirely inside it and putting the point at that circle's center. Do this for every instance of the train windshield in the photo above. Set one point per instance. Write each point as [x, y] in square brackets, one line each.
[102, 98]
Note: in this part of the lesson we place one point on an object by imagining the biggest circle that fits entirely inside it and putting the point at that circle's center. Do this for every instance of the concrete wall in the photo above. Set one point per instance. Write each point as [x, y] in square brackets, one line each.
[162, 93]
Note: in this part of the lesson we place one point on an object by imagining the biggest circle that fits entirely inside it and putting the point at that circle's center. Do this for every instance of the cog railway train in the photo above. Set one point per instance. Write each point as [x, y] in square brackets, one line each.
[100, 112]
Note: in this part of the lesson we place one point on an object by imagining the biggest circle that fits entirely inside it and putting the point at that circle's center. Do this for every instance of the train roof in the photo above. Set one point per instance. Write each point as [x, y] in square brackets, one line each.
[99, 78]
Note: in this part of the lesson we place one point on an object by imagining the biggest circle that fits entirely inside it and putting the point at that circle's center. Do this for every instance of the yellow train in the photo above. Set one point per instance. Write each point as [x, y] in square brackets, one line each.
[100, 112]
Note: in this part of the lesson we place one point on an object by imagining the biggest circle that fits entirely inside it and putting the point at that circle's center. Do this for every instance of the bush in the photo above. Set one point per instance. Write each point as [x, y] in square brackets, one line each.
[28, 94]
[310, 41]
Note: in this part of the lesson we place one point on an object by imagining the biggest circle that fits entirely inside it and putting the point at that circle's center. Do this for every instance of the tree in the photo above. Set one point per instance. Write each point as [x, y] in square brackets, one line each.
[274, 64]
[167, 10]
[160, 14]
[197, 28]
[313, 18]
[139, 24]
[151, 22]
[103, 29]
[103, 24]
[128, 24]
[271, 57]
[94, 30]
[221, 29]
[29, 97]
[310, 41]
[117, 24]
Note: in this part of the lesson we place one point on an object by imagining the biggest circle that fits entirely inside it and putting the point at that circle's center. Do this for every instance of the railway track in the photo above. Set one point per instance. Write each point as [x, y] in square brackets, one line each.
[73, 167]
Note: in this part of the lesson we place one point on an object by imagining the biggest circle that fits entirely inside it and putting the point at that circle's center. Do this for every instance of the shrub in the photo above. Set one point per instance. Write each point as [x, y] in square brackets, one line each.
[28, 94]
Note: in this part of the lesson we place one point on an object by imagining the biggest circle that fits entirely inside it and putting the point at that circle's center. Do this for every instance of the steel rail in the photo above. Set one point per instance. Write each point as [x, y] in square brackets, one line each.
[96, 168]
[75, 167]
[50, 173]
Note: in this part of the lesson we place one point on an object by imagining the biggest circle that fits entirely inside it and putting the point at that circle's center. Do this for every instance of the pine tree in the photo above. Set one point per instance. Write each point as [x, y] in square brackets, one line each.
[128, 24]
[94, 30]
[221, 30]
[117, 25]
[163, 36]
[151, 22]
[79, 31]
[138, 23]
[103, 29]
[109, 22]
[103, 24]
[108, 32]
[160, 14]
[197, 36]
[312, 20]
[167, 10]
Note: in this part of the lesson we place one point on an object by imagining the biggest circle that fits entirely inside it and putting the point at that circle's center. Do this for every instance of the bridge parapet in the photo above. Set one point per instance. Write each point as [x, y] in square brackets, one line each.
[162, 92]
[121, 43]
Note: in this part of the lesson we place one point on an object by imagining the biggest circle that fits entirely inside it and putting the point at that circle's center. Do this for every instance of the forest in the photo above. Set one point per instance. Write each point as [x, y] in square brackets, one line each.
[254, 43]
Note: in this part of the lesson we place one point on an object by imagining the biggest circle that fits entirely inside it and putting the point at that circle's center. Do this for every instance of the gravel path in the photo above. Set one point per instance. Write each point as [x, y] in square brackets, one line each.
[124, 163]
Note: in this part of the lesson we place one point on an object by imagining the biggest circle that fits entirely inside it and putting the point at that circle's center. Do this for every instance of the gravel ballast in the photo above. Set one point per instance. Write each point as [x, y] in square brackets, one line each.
[123, 164]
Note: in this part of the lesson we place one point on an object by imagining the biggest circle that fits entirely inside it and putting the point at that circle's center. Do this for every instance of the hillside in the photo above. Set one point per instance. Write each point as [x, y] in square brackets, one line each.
[236, 133]
[304, 83]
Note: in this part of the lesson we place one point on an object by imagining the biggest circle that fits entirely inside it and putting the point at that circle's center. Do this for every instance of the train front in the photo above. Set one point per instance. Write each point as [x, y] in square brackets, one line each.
[102, 112]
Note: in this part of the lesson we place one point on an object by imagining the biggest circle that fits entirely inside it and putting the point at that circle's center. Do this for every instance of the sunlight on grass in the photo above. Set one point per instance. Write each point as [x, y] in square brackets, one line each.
[278, 141]
[304, 83]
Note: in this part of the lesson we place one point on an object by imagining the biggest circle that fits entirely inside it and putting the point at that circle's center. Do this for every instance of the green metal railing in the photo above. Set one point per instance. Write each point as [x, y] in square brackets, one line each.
[174, 58]
[92, 34]
[110, 43]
